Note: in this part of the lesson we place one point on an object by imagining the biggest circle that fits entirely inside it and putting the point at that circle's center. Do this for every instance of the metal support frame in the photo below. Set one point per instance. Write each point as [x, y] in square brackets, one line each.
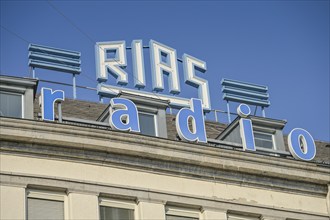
[74, 86]
[216, 115]
[59, 109]
[263, 112]
[55, 59]
[100, 99]
[228, 112]
[33, 72]
[255, 110]
[248, 93]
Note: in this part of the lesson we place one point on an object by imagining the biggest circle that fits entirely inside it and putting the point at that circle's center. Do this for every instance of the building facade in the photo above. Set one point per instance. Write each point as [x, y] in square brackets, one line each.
[77, 167]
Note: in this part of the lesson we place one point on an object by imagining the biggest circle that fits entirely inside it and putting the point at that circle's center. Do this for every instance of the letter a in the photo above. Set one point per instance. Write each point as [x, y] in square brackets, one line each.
[123, 115]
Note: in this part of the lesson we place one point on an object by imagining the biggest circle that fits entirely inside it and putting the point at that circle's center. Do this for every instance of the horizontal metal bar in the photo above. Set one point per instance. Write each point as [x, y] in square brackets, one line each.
[84, 121]
[54, 51]
[236, 98]
[54, 59]
[244, 92]
[175, 102]
[53, 66]
[243, 85]
[130, 48]
[222, 111]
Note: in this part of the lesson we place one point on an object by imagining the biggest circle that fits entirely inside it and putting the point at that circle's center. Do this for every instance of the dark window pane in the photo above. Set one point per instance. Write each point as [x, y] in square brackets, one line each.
[174, 217]
[264, 144]
[263, 136]
[111, 213]
[263, 140]
[147, 124]
[10, 105]
[41, 209]
[241, 217]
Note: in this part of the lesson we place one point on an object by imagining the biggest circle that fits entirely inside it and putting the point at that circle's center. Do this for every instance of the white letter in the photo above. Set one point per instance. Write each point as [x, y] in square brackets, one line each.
[189, 65]
[114, 64]
[138, 64]
[163, 60]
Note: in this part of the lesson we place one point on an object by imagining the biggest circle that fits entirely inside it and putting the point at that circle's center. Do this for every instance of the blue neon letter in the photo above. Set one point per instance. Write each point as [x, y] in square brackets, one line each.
[48, 99]
[123, 115]
[301, 144]
[196, 114]
[246, 129]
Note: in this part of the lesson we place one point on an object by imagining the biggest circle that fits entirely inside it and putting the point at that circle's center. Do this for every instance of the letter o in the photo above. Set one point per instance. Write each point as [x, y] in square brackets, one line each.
[301, 144]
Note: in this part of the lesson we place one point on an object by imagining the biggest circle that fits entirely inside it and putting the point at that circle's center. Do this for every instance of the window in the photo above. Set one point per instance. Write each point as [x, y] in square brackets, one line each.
[45, 206]
[11, 104]
[264, 140]
[116, 210]
[147, 124]
[181, 214]
[152, 114]
[242, 217]
[175, 217]
[111, 213]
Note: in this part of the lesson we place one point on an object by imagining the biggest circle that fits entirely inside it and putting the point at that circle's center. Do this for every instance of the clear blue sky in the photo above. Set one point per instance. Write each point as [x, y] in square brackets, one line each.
[281, 44]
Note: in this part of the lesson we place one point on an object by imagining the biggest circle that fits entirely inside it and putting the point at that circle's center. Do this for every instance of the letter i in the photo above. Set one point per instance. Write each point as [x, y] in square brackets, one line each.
[246, 129]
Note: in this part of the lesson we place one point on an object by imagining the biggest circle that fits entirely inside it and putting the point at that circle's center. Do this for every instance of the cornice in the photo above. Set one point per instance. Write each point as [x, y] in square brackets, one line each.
[129, 144]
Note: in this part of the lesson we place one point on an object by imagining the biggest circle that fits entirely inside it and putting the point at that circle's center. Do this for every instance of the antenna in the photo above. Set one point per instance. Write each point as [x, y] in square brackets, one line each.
[243, 92]
[55, 59]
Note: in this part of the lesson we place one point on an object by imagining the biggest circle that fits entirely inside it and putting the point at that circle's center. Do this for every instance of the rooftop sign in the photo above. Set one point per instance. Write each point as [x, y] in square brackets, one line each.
[124, 117]
[111, 58]
[243, 92]
[123, 114]
[54, 59]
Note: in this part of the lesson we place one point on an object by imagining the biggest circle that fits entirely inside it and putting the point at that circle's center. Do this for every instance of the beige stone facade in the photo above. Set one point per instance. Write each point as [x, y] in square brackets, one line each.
[86, 167]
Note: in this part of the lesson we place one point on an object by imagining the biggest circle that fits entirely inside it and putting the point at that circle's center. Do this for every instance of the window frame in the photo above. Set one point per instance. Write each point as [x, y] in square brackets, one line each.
[47, 195]
[116, 203]
[21, 94]
[155, 121]
[239, 216]
[182, 212]
[274, 148]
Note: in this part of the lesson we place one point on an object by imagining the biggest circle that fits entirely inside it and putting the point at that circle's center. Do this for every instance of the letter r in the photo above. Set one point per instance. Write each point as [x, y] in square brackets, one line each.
[47, 100]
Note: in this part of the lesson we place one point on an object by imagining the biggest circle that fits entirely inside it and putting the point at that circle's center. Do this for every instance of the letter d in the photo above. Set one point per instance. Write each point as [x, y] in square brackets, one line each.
[198, 127]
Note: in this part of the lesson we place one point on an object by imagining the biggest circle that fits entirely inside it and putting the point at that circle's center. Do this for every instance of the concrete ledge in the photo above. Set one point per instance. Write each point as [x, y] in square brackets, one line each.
[92, 139]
